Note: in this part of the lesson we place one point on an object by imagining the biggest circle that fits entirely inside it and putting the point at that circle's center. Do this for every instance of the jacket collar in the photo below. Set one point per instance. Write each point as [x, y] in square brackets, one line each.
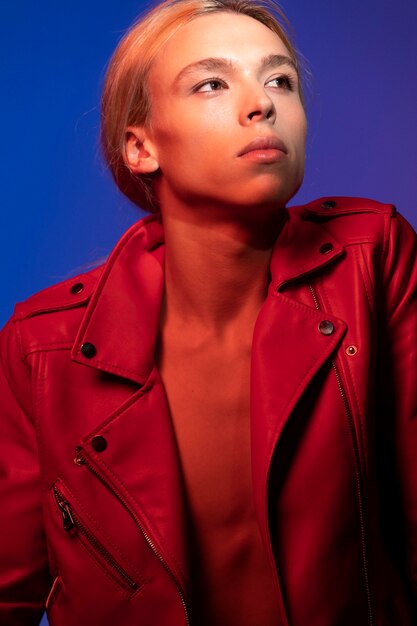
[122, 318]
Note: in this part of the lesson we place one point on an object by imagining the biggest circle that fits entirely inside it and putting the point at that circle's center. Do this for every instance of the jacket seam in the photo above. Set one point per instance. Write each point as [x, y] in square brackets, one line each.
[8, 378]
[149, 522]
[21, 350]
[47, 347]
[360, 428]
[363, 267]
[108, 268]
[385, 242]
[116, 368]
[93, 520]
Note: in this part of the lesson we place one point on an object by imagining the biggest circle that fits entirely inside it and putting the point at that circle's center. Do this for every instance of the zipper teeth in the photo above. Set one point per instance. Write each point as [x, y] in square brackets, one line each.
[359, 490]
[349, 416]
[81, 460]
[313, 293]
[98, 546]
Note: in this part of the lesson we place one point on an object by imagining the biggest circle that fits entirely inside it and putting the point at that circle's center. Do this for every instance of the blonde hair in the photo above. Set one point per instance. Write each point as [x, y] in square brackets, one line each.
[126, 100]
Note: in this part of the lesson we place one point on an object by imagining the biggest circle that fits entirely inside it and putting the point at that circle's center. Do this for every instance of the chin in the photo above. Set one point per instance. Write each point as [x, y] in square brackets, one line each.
[271, 195]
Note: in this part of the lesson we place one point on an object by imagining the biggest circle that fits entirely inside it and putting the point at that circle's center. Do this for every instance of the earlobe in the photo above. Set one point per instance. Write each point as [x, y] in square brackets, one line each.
[139, 154]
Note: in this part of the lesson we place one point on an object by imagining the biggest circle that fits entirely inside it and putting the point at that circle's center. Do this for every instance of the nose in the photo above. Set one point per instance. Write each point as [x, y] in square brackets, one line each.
[257, 107]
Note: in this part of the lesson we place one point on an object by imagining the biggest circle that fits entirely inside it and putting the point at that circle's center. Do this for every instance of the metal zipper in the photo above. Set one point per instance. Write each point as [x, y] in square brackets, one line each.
[352, 431]
[81, 460]
[71, 521]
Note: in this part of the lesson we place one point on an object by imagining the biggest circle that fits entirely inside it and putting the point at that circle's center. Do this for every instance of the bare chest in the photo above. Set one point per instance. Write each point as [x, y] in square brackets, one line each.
[208, 388]
[209, 396]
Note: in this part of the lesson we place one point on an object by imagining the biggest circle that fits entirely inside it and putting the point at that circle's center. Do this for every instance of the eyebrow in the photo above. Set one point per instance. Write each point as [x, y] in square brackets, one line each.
[210, 64]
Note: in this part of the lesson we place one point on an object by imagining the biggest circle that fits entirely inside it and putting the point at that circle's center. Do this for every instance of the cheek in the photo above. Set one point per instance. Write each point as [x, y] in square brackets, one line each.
[300, 125]
[192, 145]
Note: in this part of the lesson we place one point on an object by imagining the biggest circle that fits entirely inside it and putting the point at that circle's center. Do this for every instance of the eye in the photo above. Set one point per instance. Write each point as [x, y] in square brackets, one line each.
[285, 82]
[213, 84]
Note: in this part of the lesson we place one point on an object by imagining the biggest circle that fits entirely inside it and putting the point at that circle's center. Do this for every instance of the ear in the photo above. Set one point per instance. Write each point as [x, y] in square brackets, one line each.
[139, 153]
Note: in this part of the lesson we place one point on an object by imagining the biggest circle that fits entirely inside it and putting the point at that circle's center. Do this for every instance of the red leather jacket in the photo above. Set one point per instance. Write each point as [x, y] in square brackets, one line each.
[92, 519]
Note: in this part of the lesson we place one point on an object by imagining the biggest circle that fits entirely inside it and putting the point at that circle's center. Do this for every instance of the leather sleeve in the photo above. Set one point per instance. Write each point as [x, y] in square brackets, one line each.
[398, 391]
[24, 578]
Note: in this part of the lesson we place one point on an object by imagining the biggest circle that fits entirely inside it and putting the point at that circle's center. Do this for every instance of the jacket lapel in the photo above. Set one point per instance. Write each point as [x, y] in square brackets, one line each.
[288, 348]
[122, 317]
[141, 466]
[140, 462]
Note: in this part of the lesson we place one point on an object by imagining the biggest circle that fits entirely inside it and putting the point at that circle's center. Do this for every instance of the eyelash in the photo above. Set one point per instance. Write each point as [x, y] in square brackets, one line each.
[288, 80]
[214, 79]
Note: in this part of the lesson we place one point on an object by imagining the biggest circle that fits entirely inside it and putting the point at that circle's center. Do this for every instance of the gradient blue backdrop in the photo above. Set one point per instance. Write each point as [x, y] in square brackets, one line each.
[60, 210]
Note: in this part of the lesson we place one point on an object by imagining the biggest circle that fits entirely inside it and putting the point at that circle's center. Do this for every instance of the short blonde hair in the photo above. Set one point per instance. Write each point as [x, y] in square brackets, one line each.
[126, 100]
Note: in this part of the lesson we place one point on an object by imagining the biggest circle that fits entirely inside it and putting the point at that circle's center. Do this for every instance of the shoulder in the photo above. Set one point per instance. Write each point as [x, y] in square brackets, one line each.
[332, 206]
[66, 295]
[350, 220]
[50, 318]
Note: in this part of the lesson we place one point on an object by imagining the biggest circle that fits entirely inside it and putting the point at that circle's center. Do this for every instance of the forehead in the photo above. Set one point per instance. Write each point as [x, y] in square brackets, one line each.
[237, 37]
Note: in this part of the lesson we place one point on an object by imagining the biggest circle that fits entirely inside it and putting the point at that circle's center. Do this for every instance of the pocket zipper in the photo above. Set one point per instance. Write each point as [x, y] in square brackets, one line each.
[81, 460]
[71, 522]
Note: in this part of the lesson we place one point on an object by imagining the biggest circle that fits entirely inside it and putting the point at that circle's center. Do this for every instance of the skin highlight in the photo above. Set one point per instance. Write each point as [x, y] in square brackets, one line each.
[220, 84]
[221, 212]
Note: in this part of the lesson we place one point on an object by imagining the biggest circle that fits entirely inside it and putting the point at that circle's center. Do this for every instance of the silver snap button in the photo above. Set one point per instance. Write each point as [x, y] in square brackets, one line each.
[326, 327]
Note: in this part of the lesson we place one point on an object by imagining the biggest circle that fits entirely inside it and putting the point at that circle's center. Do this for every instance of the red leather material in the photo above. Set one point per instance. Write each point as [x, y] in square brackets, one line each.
[333, 431]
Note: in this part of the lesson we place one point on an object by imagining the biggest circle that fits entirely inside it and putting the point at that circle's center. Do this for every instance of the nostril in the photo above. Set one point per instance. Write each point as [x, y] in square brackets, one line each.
[253, 114]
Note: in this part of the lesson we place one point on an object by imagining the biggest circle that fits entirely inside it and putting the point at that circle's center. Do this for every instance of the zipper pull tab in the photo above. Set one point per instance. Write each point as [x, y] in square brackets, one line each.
[67, 518]
[79, 459]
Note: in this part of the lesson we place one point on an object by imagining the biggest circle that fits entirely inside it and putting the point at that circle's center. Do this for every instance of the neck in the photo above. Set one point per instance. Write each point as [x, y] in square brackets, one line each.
[217, 270]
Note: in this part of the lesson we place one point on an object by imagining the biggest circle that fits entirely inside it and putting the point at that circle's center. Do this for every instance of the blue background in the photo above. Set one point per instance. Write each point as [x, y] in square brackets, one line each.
[60, 210]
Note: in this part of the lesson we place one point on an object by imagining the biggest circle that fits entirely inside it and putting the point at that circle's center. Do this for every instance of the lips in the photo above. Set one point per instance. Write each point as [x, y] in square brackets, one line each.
[264, 143]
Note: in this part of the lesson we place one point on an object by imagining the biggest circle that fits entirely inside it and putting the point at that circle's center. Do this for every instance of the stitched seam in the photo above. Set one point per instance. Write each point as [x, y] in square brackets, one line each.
[282, 422]
[98, 527]
[105, 275]
[385, 241]
[363, 268]
[314, 313]
[45, 346]
[37, 387]
[122, 409]
[116, 368]
[358, 409]
[21, 350]
[91, 552]
[12, 390]
[358, 427]
[359, 240]
[130, 497]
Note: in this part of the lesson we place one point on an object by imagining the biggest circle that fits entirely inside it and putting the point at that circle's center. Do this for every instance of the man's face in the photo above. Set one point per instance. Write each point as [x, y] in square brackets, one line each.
[218, 85]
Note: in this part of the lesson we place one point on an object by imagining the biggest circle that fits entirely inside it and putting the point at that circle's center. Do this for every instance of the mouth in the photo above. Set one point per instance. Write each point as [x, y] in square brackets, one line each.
[265, 150]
